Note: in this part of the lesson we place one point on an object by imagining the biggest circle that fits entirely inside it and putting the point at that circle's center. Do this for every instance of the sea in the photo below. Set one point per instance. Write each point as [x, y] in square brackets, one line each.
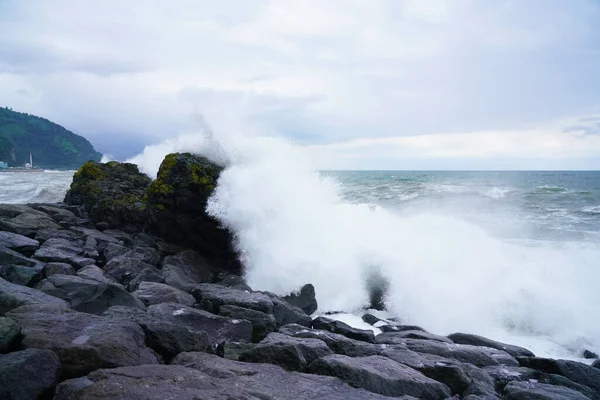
[514, 256]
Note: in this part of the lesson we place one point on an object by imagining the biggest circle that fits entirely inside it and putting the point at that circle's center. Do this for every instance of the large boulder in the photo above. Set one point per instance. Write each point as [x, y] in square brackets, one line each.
[24, 220]
[28, 374]
[212, 297]
[19, 243]
[13, 296]
[64, 251]
[475, 340]
[540, 391]
[577, 372]
[304, 299]
[262, 324]
[110, 192]
[176, 205]
[155, 293]
[83, 342]
[342, 328]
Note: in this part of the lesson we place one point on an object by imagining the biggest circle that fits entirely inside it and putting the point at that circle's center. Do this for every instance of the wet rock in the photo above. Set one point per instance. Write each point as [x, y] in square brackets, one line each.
[334, 326]
[371, 319]
[596, 364]
[233, 350]
[176, 277]
[83, 342]
[380, 375]
[145, 254]
[13, 296]
[539, 391]
[65, 251]
[291, 353]
[155, 293]
[57, 212]
[262, 324]
[55, 268]
[236, 282]
[124, 269]
[398, 337]
[10, 335]
[28, 374]
[577, 372]
[102, 238]
[19, 243]
[86, 295]
[589, 355]
[96, 274]
[146, 275]
[26, 223]
[44, 234]
[90, 250]
[212, 297]
[285, 313]
[397, 327]
[192, 265]
[304, 299]
[20, 274]
[112, 250]
[474, 340]
[479, 356]
[8, 256]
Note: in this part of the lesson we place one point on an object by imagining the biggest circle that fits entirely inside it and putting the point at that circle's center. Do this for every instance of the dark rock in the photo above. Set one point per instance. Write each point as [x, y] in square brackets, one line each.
[102, 226]
[83, 342]
[90, 250]
[96, 274]
[102, 238]
[143, 239]
[589, 355]
[380, 375]
[192, 265]
[55, 268]
[577, 372]
[288, 352]
[112, 250]
[236, 282]
[340, 344]
[86, 295]
[124, 269]
[596, 364]
[479, 356]
[28, 374]
[262, 324]
[111, 193]
[233, 350]
[474, 340]
[395, 327]
[285, 313]
[334, 326]
[176, 205]
[213, 378]
[398, 337]
[8, 256]
[13, 296]
[304, 299]
[65, 251]
[20, 274]
[218, 328]
[145, 254]
[155, 293]
[451, 375]
[44, 234]
[10, 335]
[19, 243]
[482, 384]
[212, 297]
[26, 222]
[371, 319]
[57, 212]
[145, 275]
[540, 391]
[176, 277]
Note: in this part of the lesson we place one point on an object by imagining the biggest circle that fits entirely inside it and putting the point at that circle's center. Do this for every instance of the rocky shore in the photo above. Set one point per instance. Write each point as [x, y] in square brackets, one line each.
[130, 290]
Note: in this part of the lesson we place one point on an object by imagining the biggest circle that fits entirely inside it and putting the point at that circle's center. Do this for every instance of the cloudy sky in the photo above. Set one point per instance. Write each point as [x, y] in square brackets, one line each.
[374, 84]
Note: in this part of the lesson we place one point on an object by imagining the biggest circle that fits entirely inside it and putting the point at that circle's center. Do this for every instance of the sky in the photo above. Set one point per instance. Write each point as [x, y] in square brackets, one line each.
[359, 84]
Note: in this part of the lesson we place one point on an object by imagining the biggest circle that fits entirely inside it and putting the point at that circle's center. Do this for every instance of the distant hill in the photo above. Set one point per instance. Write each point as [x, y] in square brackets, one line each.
[51, 145]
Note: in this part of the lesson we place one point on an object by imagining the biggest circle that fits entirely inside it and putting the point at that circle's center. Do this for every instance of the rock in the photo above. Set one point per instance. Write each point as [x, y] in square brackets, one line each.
[10, 335]
[589, 355]
[212, 297]
[474, 340]
[155, 293]
[540, 391]
[285, 313]
[176, 204]
[241, 381]
[44, 234]
[380, 375]
[174, 276]
[163, 334]
[86, 295]
[334, 326]
[19, 243]
[102, 226]
[90, 250]
[124, 269]
[143, 239]
[8, 256]
[83, 342]
[262, 324]
[20, 274]
[236, 282]
[396, 327]
[111, 193]
[14, 210]
[112, 250]
[27, 223]
[192, 265]
[57, 212]
[340, 344]
[371, 319]
[398, 337]
[476, 355]
[270, 381]
[145, 275]
[13, 296]
[219, 329]
[451, 375]
[596, 364]
[288, 352]
[233, 350]
[28, 374]
[305, 299]
[96, 274]
[103, 238]
[145, 254]
[65, 251]
[577, 372]
[55, 268]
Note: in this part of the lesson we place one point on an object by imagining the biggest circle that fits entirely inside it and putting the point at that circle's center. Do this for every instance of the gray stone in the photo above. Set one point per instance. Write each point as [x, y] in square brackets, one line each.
[95, 273]
[155, 293]
[124, 269]
[286, 313]
[212, 297]
[44, 234]
[540, 391]
[577, 372]
[192, 265]
[474, 340]
[55, 268]
[145, 275]
[19, 243]
[398, 337]
[20, 274]
[262, 324]
[343, 329]
[304, 299]
[28, 374]
[112, 250]
[8, 256]
[65, 251]
[10, 334]
[27, 223]
[397, 327]
[13, 296]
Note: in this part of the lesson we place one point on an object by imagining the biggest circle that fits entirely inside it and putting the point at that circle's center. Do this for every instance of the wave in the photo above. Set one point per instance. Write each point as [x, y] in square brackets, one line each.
[293, 227]
[551, 189]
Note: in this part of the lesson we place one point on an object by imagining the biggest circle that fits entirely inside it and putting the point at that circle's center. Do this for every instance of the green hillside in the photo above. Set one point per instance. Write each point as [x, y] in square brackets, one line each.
[51, 145]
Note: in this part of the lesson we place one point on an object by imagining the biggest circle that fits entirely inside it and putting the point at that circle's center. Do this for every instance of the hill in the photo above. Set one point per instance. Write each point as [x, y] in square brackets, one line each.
[51, 145]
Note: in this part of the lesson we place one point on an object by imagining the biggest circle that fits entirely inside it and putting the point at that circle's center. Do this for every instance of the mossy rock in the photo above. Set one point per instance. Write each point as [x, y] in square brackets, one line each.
[110, 192]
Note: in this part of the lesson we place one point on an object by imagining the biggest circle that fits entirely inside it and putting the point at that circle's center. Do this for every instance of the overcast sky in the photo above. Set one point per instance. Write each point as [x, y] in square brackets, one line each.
[375, 84]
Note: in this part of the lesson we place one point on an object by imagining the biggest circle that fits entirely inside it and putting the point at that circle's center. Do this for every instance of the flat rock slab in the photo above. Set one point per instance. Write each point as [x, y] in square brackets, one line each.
[262, 324]
[28, 374]
[380, 375]
[27, 223]
[19, 243]
[334, 326]
[64, 251]
[83, 342]
[475, 340]
[397, 337]
[212, 297]
[13, 296]
[155, 293]
[540, 391]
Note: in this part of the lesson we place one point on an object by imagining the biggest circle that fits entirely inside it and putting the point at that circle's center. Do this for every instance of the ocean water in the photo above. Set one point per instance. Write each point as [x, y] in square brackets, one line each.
[514, 256]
